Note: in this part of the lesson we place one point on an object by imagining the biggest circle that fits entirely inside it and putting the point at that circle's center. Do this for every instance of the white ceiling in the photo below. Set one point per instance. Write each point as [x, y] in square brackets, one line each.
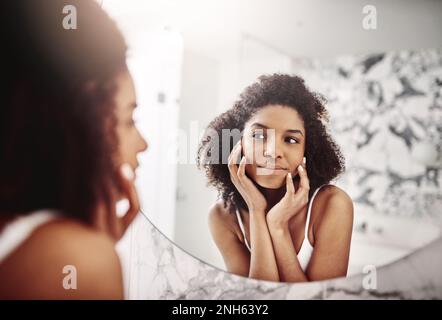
[313, 28]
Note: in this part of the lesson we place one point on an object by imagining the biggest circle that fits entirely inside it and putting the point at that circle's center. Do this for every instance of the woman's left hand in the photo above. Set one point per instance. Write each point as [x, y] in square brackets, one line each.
[292, 202]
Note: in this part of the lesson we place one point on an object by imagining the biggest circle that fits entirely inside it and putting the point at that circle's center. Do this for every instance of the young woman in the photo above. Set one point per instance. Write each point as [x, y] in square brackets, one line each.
[68, 151]
[278, 218]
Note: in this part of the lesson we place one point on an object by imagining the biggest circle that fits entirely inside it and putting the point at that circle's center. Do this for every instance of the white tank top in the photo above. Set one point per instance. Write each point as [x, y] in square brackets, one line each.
[306, 250]
[18, 230]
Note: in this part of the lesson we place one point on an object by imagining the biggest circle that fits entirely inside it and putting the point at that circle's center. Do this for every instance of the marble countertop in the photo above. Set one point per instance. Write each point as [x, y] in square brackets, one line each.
[156, 268]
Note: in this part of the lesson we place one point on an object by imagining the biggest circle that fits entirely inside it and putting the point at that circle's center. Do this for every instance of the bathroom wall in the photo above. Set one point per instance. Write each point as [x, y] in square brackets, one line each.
[385, 108]
[386, 115]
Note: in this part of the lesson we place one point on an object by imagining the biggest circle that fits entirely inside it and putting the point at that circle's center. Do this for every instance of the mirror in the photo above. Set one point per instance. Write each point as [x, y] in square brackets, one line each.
[383, 87]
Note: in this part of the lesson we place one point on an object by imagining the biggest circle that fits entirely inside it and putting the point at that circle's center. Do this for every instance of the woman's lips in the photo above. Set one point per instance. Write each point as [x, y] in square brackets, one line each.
[270, 171]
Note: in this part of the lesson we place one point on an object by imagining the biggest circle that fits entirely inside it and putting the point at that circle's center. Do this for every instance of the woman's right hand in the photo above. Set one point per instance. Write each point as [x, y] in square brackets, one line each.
[254, 199]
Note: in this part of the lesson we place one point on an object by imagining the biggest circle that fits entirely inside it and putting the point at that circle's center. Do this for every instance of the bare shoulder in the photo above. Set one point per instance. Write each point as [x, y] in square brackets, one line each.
[228, 238]
[335, 194]
[63, 259]
[220, 217]
[333, 203]
[222, 222]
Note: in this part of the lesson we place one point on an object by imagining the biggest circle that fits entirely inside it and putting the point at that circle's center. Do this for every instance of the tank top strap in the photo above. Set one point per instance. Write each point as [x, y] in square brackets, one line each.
[310, 210]
[241, 226]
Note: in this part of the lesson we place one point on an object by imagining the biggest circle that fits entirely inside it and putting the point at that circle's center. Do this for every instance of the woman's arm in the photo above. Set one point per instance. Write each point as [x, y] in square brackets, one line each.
[332, 245]
[261, 262]
[288, 264]
[333, 236]
[235, 256]
[278, 222]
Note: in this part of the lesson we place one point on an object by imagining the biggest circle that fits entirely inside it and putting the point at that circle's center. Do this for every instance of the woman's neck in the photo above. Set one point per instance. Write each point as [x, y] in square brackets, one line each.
[273, 196]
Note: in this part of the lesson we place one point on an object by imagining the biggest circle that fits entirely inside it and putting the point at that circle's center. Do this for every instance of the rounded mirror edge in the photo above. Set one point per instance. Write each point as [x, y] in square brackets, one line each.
[200, 280]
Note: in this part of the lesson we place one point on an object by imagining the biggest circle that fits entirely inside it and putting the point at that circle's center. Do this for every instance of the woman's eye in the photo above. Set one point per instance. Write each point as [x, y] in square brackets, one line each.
[258, 135]
[292, 140]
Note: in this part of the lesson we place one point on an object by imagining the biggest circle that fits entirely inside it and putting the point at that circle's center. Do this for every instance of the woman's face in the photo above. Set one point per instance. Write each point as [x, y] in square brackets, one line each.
[273, 144]
[129, 138]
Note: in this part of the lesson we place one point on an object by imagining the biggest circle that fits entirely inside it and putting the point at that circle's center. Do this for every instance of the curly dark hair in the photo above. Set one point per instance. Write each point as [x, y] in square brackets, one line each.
[57, 122]
[324, 159]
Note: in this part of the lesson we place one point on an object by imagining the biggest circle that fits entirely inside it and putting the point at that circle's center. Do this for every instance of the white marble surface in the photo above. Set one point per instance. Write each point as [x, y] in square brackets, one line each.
[155, 268]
